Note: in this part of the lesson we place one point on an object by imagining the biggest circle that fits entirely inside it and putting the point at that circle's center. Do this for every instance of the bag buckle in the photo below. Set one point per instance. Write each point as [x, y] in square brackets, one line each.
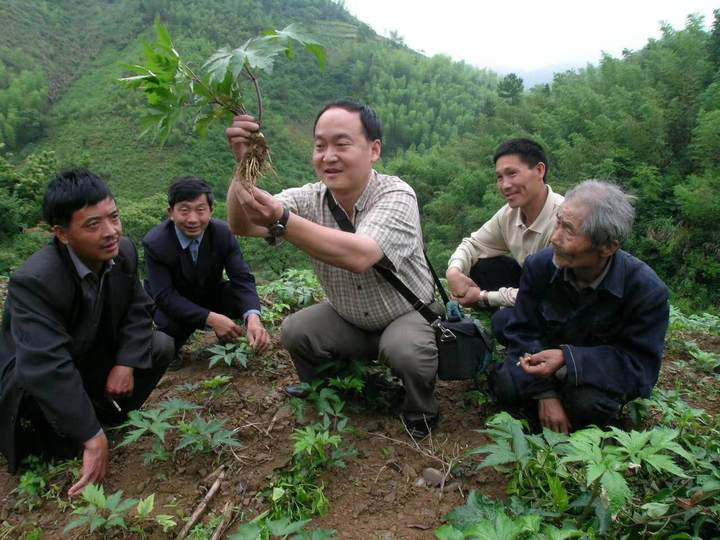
[445, 333]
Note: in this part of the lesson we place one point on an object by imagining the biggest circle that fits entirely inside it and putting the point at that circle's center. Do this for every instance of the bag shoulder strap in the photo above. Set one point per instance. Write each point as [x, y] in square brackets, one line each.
[390, 276]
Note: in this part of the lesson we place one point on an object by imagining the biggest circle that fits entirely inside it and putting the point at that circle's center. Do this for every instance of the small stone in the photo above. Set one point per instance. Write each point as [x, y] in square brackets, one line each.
[409, 472]
[453, 486]
[433, 477]
[390, 497]
[246, 501]
[419, 482]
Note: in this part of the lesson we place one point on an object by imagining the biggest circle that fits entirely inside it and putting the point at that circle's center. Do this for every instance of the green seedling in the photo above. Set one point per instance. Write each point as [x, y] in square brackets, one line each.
[236, 353]
[205, 436]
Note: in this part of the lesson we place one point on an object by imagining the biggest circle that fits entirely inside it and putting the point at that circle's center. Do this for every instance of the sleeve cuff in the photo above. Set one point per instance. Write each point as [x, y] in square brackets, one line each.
[250, 312]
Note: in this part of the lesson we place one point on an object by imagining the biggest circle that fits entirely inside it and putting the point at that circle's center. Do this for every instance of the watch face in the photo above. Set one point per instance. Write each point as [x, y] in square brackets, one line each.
[276, 229]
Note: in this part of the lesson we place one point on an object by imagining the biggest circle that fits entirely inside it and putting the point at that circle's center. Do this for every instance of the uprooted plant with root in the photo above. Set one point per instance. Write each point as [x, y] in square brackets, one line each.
[218, 90]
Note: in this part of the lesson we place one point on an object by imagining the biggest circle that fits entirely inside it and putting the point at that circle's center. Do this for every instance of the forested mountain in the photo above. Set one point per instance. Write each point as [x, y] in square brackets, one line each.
[649, 120]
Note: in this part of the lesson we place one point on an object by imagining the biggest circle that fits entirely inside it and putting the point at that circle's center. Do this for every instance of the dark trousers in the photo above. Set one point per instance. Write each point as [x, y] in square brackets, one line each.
[584, 405]
[35, 435]
[220, 299]
[492, 274]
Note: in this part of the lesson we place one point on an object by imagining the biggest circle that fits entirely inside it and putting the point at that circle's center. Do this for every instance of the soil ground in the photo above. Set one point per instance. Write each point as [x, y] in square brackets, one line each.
[376, 497]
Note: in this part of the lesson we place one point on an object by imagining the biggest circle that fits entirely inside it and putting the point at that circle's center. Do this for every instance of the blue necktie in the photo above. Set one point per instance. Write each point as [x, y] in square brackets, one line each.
[194, 248]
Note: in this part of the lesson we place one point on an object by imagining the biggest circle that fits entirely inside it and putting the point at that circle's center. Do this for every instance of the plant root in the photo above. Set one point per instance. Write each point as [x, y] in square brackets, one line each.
[254, 164]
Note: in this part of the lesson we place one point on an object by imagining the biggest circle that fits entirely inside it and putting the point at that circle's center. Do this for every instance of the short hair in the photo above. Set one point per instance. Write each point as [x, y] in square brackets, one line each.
[372, 126]
[610, 210]
[189, 188]
[72, 190]
[529, 152]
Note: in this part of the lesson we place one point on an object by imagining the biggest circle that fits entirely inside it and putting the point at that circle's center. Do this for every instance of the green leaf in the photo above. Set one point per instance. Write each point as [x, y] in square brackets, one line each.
[285, 527]
[617, 489]
[247, 531]
[655, 510]
[79, 522]
[95, 494]
[163, 35]
[448, 532]
[665, 463]
[306, 39]
[217, 65]
[166, 522]
[146, 505]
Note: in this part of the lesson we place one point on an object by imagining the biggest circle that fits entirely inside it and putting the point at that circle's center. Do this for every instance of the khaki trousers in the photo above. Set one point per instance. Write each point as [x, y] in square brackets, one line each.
[317, 334]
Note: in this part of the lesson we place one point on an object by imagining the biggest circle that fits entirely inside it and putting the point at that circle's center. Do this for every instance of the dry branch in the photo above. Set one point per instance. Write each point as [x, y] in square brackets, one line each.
[200, 510]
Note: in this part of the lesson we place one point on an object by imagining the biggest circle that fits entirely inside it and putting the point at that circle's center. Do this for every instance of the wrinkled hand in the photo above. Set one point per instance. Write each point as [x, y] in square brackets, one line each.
[458, 282]
[543, 363]
[239, 133]
[552, 415]
[257, 336]
[120, 382]
[96, 456]
[224, 327]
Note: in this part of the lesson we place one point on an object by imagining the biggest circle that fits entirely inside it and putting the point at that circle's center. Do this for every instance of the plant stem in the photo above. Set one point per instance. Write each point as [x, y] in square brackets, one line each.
[257, 93]
[588, 507]
[216, 99]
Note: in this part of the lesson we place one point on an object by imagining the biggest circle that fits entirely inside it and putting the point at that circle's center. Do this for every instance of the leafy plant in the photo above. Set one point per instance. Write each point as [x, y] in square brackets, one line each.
[264, 528]
[295, 289]
[101, 512]
[43, 480]
[218, 381]
[205, 436]
[215, 92]
[236, 353]
[599, 482]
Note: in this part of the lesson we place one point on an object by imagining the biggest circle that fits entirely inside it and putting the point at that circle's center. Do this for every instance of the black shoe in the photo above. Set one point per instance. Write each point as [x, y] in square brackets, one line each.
[178, 362]
[422, 427]
[300, 391]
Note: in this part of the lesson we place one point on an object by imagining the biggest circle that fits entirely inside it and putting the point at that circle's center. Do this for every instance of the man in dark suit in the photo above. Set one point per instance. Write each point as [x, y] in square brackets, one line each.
[185, 258]
[77, 348]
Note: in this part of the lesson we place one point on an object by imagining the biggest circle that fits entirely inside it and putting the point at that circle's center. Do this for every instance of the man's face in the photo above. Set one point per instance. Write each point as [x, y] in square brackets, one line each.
[519, 184]
[192, 217]
[342, 156]
[93, 233]
[572, 247]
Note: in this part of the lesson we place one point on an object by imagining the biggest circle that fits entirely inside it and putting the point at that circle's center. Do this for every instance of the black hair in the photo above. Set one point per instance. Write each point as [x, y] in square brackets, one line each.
[372, 126]
[189, 188]
[529, 152]
[72, 190]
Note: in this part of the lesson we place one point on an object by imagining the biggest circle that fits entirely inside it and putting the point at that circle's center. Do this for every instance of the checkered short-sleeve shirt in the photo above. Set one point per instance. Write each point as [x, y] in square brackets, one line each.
[387, 212]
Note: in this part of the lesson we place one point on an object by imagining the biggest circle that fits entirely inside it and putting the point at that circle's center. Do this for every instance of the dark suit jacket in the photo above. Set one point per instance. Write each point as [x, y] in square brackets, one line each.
[38, 350]
[182, 288]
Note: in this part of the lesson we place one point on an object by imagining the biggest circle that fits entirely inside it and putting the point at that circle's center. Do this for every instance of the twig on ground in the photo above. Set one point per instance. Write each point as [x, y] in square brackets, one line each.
[202, 506]
[225, 522]
[414, 446]
[272, 422]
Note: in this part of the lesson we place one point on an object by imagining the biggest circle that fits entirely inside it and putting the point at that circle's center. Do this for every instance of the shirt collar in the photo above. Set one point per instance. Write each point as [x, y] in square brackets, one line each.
[184, 239]
[82, 269]
[546, 214]
[362, 201]
[612, 279]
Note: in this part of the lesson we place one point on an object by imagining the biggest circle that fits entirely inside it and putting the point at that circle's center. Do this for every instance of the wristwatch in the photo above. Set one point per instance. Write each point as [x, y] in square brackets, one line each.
[278, 228]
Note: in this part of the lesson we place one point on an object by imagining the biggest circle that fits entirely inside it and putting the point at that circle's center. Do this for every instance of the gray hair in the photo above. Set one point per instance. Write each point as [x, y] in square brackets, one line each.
[610, 210]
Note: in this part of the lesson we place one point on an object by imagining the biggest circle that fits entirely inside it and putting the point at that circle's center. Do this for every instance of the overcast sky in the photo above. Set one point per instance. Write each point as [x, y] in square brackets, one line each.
[523, 35]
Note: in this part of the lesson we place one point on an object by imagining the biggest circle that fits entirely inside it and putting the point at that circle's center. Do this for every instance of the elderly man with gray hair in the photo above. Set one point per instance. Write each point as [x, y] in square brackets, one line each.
[588, 331]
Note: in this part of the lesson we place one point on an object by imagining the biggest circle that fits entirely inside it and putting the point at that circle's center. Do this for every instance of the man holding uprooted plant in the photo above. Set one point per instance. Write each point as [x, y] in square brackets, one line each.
[364, 317]
[485, 268]
[588, 328]
[77, 348]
